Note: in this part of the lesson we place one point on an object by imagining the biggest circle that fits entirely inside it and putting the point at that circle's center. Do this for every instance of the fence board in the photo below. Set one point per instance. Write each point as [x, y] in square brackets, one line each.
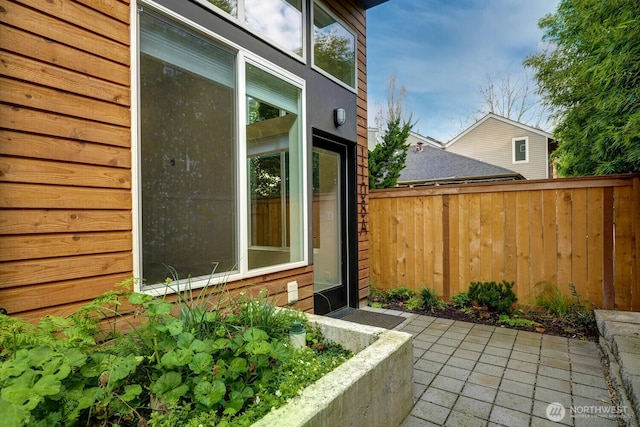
[557, 231]
[623, 261]
[536, 241]
[497, 236]
[579, 240]
[523, 250]
[595, 222]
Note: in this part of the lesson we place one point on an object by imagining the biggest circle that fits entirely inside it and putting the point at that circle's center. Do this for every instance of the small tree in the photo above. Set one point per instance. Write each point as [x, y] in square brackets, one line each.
[389, 157]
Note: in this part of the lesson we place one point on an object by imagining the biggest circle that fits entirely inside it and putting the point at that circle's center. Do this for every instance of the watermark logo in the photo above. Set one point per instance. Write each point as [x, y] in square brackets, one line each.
[556, 411]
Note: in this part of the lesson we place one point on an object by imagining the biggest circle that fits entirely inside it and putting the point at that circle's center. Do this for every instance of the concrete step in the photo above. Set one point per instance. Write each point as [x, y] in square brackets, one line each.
[620, 338]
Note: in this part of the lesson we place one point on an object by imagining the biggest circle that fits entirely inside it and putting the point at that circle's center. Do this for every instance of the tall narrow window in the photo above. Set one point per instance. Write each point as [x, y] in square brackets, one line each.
[334, 47]
[520, 150]
[187, 151]
[274, 164]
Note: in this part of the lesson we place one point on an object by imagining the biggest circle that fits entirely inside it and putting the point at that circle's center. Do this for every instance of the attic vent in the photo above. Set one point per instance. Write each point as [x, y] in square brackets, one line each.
[419, 147]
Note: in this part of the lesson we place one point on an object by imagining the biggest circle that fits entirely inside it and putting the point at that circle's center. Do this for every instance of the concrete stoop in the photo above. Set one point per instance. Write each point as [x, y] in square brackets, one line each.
[620, 341]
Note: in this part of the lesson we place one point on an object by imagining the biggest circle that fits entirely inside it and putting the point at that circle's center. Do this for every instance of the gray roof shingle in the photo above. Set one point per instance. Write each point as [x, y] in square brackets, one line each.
[426, 163]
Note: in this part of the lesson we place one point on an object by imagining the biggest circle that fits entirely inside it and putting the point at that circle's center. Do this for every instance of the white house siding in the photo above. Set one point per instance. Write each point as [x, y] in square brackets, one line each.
[491, 142]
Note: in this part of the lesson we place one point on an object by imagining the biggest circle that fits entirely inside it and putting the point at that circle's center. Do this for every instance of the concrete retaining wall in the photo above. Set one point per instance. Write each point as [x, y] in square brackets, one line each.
[373, 388]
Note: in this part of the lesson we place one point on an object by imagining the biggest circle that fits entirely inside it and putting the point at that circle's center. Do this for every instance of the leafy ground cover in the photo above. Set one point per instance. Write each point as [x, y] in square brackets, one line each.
[490, 303]
[192, 362]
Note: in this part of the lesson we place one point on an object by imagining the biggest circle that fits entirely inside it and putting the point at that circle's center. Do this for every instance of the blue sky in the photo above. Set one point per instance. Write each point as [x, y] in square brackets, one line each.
[442, 52]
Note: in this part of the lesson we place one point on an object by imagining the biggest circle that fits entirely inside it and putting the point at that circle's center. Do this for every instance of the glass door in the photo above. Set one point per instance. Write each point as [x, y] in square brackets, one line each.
[329, 230]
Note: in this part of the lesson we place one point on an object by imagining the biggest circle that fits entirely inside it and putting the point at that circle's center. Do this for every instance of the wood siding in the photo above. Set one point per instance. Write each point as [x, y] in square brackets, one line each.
[491, 142]
[65, 156]
[583, 231]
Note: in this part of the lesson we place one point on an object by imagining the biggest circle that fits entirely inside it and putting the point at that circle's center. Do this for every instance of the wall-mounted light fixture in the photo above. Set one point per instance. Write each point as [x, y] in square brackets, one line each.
[339, 117]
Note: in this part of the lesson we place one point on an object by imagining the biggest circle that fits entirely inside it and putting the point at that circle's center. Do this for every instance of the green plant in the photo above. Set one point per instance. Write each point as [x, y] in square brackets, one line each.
[431, 301]
[581, 315]
[179, 361]
[551, 299]
[461, 300]
[415, 303]
[516, 321]
[400, 294]
[497, 297]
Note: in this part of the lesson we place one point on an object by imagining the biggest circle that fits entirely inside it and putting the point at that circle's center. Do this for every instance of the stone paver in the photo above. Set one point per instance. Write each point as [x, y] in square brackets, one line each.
[479, 375]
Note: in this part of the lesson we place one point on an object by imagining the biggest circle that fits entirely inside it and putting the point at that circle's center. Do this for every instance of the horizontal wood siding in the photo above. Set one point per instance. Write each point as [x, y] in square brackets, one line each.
[582, 231]
[65, 153]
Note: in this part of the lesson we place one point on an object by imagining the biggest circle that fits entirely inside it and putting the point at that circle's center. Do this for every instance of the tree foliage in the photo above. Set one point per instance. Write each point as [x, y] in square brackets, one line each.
[590, 77]
[389, 157]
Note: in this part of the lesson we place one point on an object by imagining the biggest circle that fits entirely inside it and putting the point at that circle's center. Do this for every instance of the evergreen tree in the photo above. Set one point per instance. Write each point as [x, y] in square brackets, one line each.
[388, 158]
[590, 77]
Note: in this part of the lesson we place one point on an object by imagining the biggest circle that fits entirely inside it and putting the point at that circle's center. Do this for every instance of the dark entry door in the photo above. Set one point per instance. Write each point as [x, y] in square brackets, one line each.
[332, 251]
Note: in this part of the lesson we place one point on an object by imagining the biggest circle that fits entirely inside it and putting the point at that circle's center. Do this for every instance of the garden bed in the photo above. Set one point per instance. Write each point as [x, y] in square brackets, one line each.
[374, 387]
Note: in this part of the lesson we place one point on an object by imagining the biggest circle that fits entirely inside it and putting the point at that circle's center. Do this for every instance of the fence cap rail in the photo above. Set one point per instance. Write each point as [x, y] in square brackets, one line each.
[622, 180]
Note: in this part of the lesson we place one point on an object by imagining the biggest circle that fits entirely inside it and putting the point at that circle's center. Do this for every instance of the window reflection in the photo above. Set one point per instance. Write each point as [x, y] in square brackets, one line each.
[274, 162]
[278, 20]
[334, 47]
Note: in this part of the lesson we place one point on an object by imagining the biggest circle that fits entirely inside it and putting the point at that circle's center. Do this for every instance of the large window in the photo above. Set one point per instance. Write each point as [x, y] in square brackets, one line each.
[334, 47]
[212, 192]
[279, 21]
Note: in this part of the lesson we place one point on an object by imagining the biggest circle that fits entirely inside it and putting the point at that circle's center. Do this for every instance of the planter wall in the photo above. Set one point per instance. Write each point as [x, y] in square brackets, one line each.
[373, 388]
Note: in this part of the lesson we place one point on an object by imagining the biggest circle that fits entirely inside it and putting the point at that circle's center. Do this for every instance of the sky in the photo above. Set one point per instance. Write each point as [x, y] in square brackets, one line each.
[443, 51]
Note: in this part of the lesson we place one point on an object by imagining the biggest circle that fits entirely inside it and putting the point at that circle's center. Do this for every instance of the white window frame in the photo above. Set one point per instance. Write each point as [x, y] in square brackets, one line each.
[353, 88]
[513, 149]
[242, 57]
[240, 20]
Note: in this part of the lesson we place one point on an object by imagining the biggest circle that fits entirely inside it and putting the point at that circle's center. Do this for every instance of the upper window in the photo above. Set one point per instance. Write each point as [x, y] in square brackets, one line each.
[279, 21]
[520, 150]
[334, 47]
[213, 192]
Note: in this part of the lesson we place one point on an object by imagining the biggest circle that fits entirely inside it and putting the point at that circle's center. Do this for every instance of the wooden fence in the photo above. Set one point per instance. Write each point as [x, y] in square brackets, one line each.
[580, 231]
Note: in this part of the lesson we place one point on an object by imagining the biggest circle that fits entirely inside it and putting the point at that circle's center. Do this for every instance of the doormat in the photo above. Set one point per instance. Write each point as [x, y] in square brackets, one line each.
[371, 318]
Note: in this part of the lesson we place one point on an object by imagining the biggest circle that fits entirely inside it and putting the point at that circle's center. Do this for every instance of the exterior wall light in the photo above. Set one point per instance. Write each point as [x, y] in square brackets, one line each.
[339, 117]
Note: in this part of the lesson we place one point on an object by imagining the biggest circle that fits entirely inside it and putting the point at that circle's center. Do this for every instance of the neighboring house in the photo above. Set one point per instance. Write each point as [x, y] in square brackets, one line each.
[137, 134]
[375, 137]
[428, 165]
[503, 142]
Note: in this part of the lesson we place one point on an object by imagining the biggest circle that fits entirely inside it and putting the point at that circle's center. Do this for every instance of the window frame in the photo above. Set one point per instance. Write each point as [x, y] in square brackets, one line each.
[514, 141]
[242, 57]
[354, 33]
[240, 21]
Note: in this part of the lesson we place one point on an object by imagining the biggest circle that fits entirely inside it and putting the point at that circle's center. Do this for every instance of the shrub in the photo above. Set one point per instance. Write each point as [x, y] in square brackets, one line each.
[497, 297]
[431, 301]
[461, 300]
[400, 294]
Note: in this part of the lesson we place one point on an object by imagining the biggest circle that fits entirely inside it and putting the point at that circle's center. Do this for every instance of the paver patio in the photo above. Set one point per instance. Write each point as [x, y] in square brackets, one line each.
[476, 375]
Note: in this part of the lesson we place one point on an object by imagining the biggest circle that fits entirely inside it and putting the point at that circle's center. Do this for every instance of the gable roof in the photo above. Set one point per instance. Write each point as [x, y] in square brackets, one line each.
[502, 119]
[428, 164]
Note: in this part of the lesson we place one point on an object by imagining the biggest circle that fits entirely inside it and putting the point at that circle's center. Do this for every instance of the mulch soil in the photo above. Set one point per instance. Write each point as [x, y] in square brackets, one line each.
[545, 323]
